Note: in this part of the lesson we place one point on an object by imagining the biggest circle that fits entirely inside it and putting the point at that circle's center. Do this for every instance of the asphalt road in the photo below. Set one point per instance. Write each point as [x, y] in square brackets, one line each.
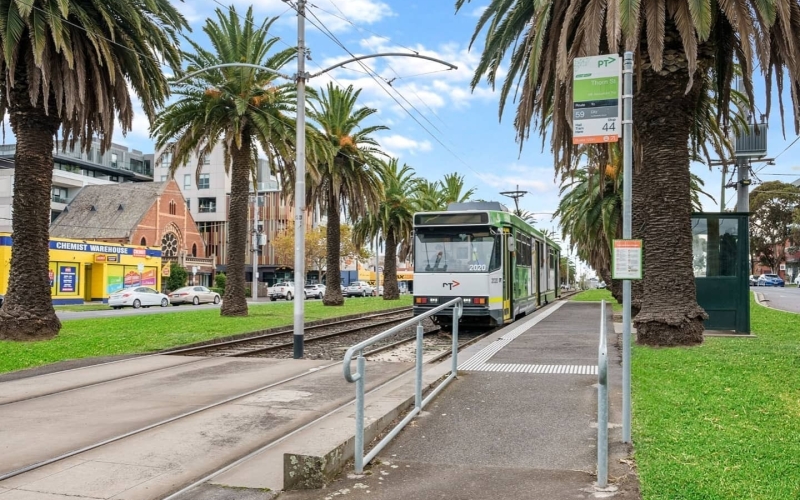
[787, 299]
[129, 311]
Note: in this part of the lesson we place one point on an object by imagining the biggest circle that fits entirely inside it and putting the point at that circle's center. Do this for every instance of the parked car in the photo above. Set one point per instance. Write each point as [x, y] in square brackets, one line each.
[137, 297]
[601, 285]
[282, 290]
[193, 295]
[316, 290]
[359, 289]
[770, 280]
[753, 280]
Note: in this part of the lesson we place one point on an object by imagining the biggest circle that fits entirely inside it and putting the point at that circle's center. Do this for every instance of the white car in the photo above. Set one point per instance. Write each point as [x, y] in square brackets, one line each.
[140, 296]
[315, 291]
[359, 289]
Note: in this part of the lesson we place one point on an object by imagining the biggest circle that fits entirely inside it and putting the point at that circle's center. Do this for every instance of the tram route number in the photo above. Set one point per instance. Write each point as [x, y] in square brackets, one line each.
[477, 267]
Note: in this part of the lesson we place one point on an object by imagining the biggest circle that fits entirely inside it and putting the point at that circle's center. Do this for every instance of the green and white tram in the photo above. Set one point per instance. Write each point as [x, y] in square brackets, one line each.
[499, 264]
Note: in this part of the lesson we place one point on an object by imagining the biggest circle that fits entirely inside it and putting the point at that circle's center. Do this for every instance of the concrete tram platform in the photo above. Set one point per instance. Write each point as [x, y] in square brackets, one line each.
[519, 423]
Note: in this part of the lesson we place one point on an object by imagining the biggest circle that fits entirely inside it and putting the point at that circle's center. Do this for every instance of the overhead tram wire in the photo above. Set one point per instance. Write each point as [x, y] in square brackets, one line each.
[377, 79]
[344, 18]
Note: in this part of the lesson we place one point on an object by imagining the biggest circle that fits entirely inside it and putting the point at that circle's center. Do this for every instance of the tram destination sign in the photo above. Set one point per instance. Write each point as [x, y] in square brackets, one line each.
[596, 99]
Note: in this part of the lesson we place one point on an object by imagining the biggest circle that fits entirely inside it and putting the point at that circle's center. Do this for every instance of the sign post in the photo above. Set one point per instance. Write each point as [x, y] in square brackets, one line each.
[596, 99]
[194, 274]
[627, 225]
[141, 270]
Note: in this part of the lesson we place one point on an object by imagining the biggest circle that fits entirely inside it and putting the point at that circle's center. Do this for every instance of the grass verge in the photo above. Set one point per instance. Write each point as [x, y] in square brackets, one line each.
[83, 307]
[721, 420]
[596, 295]
[83, 338]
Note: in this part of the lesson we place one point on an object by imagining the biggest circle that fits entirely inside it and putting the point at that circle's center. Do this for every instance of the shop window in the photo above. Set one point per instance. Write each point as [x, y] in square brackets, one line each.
[143, 242]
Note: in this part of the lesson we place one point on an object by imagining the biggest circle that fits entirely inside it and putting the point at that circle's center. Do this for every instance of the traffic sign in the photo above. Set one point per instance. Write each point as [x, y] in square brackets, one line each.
[195, 269]
[596, 99]
[166, 271]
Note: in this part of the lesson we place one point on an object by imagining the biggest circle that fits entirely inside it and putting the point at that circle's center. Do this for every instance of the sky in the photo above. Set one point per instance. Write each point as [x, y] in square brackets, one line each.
[438, 124]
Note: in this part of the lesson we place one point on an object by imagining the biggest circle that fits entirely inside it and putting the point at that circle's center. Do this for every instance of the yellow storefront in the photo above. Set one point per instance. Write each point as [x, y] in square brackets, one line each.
[85, 270]
[367, 275]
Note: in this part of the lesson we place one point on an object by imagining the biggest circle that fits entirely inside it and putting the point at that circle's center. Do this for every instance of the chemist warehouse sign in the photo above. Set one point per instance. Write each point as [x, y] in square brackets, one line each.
[100, 248]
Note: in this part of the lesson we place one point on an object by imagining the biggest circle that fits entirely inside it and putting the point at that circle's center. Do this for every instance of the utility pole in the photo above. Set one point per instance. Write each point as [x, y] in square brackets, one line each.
[722, 188]
[377, 264]
[300, 184]
[627, 225]
[254, 292]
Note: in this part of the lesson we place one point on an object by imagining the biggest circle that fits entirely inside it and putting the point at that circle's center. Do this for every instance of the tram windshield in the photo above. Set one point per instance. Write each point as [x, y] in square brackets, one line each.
[455, 251]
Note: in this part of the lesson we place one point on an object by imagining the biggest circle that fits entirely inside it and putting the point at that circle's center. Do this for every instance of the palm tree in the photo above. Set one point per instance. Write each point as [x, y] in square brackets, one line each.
[685, 46]
[67, 66]
[452, 188]
[242, 108]
[429, 196]
[525, 215]
[348, 177]
[392, 221]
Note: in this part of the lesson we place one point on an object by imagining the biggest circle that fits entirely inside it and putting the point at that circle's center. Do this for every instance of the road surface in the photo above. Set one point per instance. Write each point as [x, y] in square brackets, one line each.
[787, 299]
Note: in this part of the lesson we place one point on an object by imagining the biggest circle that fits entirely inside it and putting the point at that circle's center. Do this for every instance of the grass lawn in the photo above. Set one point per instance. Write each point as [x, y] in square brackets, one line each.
[721, 420]
[596, 295]
[82, 338]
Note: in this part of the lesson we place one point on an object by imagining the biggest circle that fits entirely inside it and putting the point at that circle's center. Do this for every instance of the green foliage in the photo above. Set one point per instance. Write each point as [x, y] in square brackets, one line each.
[177, 277]
[82, 338]
[719, 421]
[219, 281]
[774, 209]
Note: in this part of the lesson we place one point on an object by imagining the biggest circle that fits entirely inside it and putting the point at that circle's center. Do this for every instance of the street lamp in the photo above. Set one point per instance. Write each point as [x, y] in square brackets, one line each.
[300, 79]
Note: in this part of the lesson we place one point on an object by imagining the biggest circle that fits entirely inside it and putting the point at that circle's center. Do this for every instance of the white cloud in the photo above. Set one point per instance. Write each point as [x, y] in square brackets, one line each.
[478, 11]
[395, 143]
[537, 179]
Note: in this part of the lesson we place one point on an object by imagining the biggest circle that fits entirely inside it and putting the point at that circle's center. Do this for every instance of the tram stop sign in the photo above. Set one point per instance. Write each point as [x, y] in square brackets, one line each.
[596, 96]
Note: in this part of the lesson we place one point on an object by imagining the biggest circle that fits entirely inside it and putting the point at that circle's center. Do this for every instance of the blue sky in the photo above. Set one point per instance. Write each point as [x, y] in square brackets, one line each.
[463, 133]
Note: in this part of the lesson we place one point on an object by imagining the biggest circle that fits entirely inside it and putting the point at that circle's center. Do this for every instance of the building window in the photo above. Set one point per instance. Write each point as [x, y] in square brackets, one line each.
[194, 250]
[188, 203]
[60, 195]
[205, 160]
[207, 205]
[143, 242]
[187, 181]
[204, 182]
[114, 160]
[163, 178]
[173, 207]
[166, 160]
[114, 178]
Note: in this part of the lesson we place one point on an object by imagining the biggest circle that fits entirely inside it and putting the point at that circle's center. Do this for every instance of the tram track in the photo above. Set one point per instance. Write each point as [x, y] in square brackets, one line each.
[210, 347]
[381, 349]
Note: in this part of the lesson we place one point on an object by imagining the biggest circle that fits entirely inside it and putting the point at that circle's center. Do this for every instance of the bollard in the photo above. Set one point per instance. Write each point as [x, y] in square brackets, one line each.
[361, 364]
[456, 317]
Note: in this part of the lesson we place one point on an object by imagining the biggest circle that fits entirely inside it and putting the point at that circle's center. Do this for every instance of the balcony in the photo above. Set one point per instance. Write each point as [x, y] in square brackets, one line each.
[59, 199]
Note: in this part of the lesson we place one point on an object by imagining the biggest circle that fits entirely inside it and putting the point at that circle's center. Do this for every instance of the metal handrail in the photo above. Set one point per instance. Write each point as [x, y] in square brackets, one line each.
[602, 402]
[359, 378]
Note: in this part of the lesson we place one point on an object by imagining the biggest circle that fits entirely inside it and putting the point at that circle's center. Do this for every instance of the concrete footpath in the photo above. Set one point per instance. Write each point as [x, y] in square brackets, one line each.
[519, 423]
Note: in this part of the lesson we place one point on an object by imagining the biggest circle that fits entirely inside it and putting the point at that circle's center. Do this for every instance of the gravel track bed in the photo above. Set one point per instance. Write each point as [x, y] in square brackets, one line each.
[334, 348]
[248, 345]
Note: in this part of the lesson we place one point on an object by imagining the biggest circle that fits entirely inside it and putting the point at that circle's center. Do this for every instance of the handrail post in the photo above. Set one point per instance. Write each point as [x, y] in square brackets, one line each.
[602, 403]
[418, 378]
[361, 364]
[456, 318]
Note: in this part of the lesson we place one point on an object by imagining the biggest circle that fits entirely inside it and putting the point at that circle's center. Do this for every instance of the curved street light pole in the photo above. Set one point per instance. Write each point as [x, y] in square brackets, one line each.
[300, 164]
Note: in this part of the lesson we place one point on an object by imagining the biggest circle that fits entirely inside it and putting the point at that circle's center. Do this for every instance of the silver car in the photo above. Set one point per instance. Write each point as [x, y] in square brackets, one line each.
[194, 295]
[359, 289]
[316, 290]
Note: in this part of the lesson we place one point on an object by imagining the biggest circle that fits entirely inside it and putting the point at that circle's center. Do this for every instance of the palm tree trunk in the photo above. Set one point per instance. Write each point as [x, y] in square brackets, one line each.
[390, 289]
[669, 312]
[27, 312]
[333, 290]
[235, 302]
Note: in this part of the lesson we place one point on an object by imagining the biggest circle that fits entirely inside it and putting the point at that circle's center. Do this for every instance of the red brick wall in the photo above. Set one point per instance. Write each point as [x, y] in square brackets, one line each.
[158, 218]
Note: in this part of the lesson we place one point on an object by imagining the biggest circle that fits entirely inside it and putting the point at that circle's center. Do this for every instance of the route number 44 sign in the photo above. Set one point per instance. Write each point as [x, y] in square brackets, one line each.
[596, 95]
[627, 260]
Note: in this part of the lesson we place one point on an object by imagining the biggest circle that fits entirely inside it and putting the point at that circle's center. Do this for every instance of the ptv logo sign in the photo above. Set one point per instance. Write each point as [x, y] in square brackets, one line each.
[605, 62]
[450, 285]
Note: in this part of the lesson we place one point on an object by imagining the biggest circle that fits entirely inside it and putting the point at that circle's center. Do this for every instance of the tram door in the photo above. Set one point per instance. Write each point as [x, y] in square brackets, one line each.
[508, 274]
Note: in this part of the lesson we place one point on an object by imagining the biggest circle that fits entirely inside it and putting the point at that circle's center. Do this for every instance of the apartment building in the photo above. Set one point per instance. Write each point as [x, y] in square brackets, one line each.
[72, 170]
[207, 195]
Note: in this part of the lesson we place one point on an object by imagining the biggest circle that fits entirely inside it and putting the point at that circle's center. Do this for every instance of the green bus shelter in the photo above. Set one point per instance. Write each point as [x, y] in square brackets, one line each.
[721, 262]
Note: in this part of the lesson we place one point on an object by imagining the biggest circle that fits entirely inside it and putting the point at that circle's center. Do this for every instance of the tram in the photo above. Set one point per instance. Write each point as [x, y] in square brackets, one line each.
[500, 265]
